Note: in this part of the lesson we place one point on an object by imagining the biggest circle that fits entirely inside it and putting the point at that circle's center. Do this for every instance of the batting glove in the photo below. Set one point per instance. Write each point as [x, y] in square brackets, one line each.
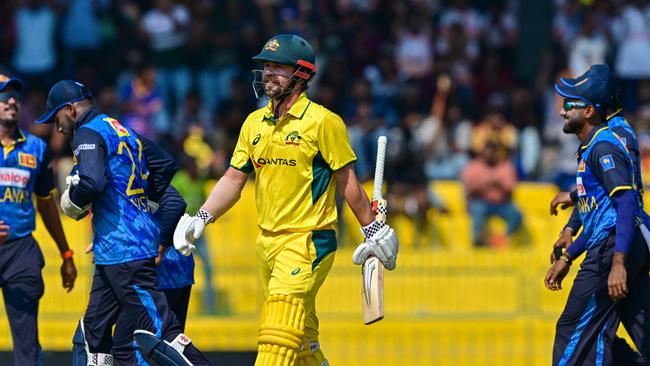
[189, 229]
[382, 244]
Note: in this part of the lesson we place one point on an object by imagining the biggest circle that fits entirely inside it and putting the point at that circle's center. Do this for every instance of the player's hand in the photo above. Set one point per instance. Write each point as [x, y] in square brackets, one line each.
[4, 232]
[562, 199]
[68, 274]
[556, 274]
[617, 281]
[383, 244]
[188, 229]
[161, 253]
[89, 250]
[565, 239]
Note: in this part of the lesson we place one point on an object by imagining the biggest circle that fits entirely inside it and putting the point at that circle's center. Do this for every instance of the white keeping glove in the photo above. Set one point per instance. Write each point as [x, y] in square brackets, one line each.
[189, 229]
[383, 244]
[71, 180]
[67, 206]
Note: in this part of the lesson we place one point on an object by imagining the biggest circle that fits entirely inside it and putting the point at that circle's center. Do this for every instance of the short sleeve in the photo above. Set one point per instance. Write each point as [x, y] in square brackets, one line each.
[45, 178]
[611, 166]
[333, 142]
[241, 155]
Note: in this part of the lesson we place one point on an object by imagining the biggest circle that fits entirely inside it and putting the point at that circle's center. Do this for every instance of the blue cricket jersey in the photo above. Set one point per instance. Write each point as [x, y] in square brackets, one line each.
[113, 178]
[626, 134]
[175, 270]
[604, 168]
[24, 169]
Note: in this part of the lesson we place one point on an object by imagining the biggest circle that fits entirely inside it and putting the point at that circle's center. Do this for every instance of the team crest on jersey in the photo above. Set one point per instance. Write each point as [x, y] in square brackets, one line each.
[27, 160]
[581, 166]
[580, 187]
[115, 125]
[293, 138]
[272, 45]
[607, 162]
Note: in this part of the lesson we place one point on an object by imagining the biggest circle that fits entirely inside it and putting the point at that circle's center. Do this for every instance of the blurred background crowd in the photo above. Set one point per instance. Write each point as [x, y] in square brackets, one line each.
[462, 88]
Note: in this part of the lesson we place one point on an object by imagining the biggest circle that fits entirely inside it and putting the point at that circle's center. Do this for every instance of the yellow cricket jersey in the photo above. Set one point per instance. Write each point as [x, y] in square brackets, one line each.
[294, 158]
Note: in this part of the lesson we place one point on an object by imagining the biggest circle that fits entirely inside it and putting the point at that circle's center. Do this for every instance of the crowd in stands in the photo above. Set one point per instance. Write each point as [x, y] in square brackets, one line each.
[449, 81]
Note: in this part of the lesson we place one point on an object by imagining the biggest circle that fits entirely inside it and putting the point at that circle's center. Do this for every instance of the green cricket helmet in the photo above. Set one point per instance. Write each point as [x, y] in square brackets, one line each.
[287, 49]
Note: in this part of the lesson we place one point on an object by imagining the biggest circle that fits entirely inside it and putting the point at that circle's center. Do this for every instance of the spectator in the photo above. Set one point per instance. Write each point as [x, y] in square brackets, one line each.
[35, 56]
[489, 180]
[495, 129]
[165, 28]
[631, 31]
[142, 104]
[409, 191]
[192, 112]
[368, 118]
[81, 35]
[588, 48]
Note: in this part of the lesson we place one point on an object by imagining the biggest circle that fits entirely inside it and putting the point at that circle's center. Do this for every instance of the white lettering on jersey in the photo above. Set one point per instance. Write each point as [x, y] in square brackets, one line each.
[13, 177]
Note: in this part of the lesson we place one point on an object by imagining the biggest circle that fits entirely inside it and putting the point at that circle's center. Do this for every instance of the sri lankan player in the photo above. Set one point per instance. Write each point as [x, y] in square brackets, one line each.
[113, 179]
[300, 153]
[25, 171]
[612, 284]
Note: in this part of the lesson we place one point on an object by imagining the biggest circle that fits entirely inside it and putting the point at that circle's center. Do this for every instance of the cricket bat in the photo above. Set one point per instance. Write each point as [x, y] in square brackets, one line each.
[372, 271]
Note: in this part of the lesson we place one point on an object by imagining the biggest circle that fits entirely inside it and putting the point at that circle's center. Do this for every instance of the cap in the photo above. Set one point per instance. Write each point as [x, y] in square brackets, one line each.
[288, 49]
[596, 86]
[6, 81]
[62, 93]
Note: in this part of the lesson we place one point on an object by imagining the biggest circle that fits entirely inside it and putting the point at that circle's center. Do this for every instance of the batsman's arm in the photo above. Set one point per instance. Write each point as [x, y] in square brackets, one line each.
[355, 196]
[225, 193]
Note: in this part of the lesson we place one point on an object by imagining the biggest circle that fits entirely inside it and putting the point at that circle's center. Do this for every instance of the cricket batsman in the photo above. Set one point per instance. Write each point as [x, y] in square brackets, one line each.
[300, 153]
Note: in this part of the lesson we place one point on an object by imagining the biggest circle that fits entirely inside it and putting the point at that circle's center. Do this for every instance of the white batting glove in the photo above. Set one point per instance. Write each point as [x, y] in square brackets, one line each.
[189, 229]
[383, 244]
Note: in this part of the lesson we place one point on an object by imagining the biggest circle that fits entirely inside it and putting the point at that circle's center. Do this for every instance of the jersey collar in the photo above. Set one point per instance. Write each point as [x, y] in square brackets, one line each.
[590, 138]
[297, 110]
[19, 137]
[87, 116]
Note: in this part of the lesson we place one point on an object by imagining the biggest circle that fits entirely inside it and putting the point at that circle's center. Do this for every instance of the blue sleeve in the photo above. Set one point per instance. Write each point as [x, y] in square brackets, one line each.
[90, 150]
[611, 166]
[45, 179]
[161, 166]
[626, 207]
[172, 207]
[577, 247]
[574, 221]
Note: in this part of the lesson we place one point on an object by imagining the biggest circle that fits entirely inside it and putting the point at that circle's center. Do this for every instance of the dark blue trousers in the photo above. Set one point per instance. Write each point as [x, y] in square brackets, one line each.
[124, 348]
[21, 262]
[130, 288]
[586, 329]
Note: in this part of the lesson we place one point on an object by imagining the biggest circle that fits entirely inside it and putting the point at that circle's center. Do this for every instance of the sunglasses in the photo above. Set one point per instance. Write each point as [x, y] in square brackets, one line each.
[570, 104]
[5, 96]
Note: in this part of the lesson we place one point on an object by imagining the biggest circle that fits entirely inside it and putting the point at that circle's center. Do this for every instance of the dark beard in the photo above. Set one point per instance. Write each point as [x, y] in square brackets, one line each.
[572, 127]
[8, 123]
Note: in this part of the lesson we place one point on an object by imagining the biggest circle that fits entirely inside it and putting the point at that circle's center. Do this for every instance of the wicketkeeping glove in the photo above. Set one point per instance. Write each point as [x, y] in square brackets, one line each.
[189, 229]
[381, 242]
[67, 206]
